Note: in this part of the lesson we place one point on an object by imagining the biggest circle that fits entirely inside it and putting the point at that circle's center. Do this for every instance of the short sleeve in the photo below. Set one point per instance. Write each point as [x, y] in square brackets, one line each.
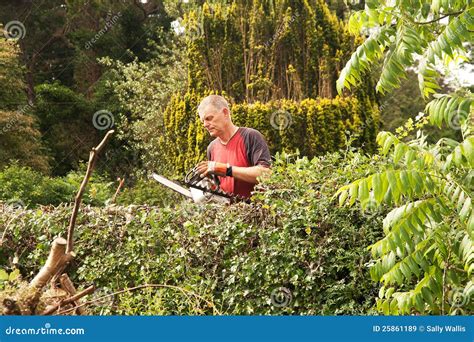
[257, 148]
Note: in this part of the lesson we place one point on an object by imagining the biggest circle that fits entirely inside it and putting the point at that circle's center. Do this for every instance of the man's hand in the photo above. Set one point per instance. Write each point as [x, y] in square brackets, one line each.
[206, 168]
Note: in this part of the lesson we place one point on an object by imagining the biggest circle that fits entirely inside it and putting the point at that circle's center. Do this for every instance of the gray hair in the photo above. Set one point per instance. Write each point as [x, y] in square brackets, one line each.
[216, 101]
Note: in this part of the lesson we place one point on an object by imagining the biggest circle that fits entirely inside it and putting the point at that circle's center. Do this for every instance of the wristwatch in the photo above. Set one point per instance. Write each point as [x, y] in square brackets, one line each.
[228, 172]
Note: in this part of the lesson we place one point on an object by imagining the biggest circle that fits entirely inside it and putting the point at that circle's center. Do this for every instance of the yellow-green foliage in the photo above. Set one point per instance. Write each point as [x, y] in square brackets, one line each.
[266, 49]
[312, 126]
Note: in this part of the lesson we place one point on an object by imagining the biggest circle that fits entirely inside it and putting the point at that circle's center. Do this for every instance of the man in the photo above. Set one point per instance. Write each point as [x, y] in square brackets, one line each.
[238, 155]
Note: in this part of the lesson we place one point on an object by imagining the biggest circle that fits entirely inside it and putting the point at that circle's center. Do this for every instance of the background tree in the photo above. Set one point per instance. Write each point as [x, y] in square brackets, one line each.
[264, 50]
[19, 134]
[60, 46]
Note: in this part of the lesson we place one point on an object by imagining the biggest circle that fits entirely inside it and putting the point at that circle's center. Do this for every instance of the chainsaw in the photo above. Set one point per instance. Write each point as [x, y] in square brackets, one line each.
[200, 190]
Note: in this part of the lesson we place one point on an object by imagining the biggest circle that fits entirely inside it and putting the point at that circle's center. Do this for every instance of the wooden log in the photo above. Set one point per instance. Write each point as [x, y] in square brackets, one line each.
[66, 259]
[55, 259]
[67, 285]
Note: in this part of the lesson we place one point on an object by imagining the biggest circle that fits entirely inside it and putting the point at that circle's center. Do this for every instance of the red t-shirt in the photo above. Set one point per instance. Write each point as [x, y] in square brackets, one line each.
[246, 148]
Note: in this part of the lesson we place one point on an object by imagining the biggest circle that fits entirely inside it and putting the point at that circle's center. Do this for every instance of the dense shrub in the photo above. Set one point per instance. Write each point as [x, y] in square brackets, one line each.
[149, 192]
[292, 239]
[26, 187]
[313, 127]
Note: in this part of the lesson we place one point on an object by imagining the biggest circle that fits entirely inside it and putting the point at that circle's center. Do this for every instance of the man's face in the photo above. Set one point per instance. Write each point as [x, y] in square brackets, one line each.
[214, 120]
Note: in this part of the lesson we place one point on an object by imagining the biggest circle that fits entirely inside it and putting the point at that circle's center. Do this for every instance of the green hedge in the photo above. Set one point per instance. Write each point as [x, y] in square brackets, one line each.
[313, 127]
[292, 238]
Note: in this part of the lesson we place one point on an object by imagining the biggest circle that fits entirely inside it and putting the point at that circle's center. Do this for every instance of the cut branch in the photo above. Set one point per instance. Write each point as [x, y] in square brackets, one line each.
[121, 182]
[77, 201]
[54, 261]
[67, 285]
[51, 309]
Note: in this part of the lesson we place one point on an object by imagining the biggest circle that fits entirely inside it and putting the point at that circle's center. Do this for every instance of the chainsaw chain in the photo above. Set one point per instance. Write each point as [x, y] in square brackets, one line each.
[219, 192]
[193, 178]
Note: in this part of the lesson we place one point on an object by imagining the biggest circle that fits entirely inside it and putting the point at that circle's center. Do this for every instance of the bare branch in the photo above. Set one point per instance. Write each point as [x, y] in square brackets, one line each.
[438, 19]
[67, 285]
[121, 182]
[77, 201]
[139, 287]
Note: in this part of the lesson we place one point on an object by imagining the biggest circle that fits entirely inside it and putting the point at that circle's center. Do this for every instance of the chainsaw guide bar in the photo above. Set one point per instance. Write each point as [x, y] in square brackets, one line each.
[200, 189]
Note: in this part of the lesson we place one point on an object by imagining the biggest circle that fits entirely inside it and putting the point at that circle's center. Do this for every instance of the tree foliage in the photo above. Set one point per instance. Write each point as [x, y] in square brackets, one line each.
[19, 134]
[66, 122]
[264, 50]
[12, 86]
[60, 45]
[63, 39]
[426, 259]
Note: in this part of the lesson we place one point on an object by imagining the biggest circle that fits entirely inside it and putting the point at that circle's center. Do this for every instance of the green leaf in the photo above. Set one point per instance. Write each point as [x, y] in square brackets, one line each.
[393, 183]
[399, 152]
[342, 197]
[3, 275]
[378, 187]
[405, 182]
[353, 192]
[14, 275]
[427, 295]
[366, 54]
[363, 191]
[386, 307]
[466, 209]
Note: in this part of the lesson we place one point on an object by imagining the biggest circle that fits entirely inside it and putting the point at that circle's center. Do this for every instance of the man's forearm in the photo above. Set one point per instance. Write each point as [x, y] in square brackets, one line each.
[248, 174]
